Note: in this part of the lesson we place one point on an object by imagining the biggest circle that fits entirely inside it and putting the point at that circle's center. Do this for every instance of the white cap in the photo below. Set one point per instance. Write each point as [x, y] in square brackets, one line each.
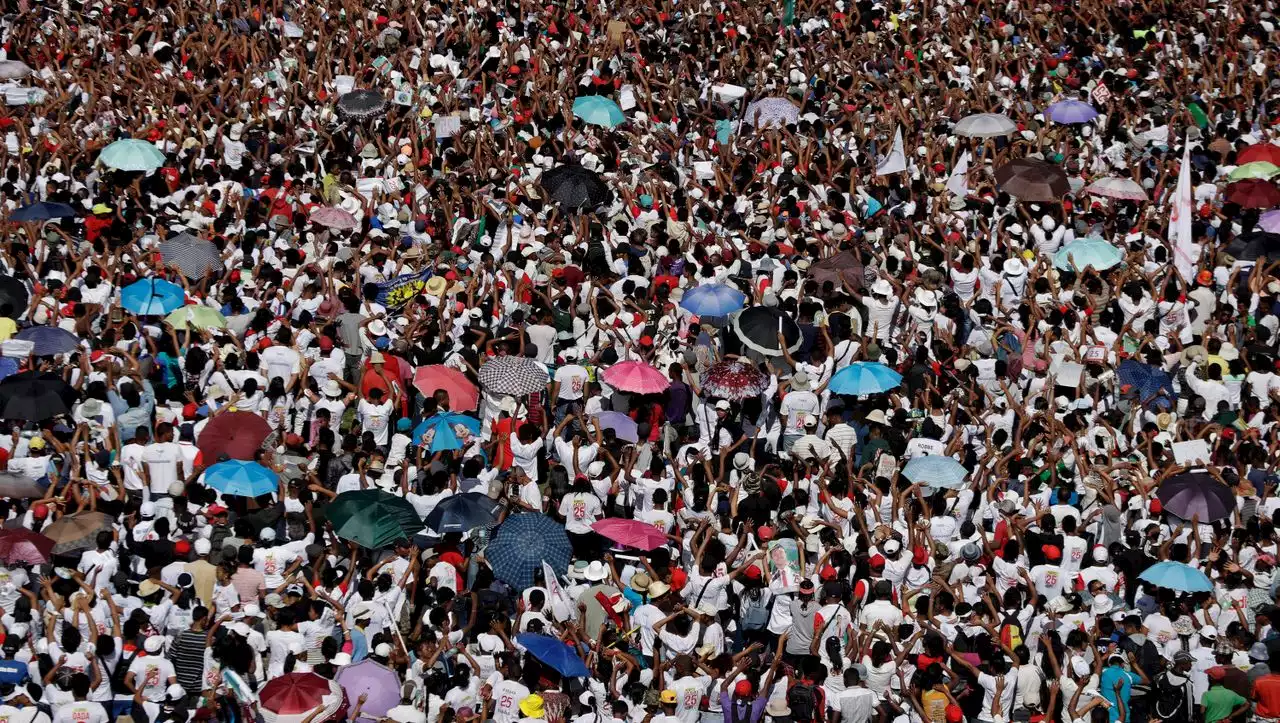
[266, 534]
[202, 546]
[383, 650]
[153, 644]
[148, 509]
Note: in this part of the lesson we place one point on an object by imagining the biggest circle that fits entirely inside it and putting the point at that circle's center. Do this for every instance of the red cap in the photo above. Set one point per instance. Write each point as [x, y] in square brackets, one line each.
[876, 561]
[189, 410]
[1205, 277]
[1156, 507]
[646, 340]
[764, 532]
[452, 558]
[753, 572]
[40, 511]
[827, 572]
[326, 344]
[679, 578]
[96, 355]
[919, 556]
[954, 714]
[293, 440]
[216, 510]
[743, 689]
[181, 547]
[1051, 552]
[1217, 672]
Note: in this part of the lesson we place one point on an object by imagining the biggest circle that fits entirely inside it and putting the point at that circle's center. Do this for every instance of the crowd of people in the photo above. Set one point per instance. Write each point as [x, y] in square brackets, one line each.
[623, 362]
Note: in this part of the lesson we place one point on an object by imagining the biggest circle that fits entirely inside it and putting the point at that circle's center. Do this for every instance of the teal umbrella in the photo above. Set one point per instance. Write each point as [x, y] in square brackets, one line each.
[598, 111]
[1087, 252]
[373, 518]
[131, 154]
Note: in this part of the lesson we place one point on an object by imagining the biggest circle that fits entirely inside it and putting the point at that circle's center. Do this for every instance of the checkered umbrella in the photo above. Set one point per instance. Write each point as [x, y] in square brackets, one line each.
[361, 104]
[193, 256]
[771, 112]
[513, 375]
[522, 543]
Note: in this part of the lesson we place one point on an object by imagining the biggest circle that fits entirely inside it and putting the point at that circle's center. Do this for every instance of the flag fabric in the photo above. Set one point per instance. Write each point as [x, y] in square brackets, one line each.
[560, 608]
[396, 292]
[958, 183]
[896, 161]
[1185, 251]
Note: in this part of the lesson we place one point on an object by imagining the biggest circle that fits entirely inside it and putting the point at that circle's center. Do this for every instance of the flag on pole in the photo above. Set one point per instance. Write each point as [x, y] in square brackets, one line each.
[896, 161]
[1185, 251]
[560, 607]
[958, 183]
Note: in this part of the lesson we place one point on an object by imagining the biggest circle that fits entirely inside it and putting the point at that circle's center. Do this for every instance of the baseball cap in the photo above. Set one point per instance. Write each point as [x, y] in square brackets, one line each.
[668, 697]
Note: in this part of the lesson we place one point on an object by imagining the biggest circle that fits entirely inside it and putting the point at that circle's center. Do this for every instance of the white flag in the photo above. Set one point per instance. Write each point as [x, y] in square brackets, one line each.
[896, 161]
[958, 183]
[1185, 251]
[560, 608]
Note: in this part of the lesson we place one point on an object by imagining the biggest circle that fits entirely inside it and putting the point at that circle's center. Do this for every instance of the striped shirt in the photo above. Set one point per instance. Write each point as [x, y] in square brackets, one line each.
[187, 654]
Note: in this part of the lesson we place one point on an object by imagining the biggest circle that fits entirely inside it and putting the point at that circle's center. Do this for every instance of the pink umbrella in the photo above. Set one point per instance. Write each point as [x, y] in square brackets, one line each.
[1270, 222]
[334, 218]
[631, 533]
[634, 376]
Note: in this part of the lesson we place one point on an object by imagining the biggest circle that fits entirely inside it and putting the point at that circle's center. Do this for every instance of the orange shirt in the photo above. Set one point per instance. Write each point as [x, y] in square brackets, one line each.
[1266, 692]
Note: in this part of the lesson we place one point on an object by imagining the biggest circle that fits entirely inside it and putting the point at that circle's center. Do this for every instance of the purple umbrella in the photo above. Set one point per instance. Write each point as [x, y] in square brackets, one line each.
[621, 424]
[1196, 494]
[1270, 222]
[1070, 111]
[380, 682]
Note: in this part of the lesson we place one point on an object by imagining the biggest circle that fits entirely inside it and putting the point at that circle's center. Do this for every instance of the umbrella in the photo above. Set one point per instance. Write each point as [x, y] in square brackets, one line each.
[14, 69]
[1146, 381]
[575, 187]
[334, 218]
[373, 518]
[445, 431]
[846, 265]
[712, 300]
[238, 435]
[734, 379]
[1176, 576]
[631, 533]
[623, 426]
[513, 375]
[522, 543]
[196, 316]
[290, 698]
[1270, 221]
[555, 654]
[936, 471]
[1070, 111]
[1121, 189]
[369, 677]
[462, 393]
[1030, 179]
[771, 112]
[8, 367]
[131, 154]
[1257, 169]
[598, 111]
[461, 513]
[19, 486]
[1254, 246]
[35, 396]
[239, 478]
[14, 294]
[635, 376]
[759, 326]
[361, 104]
[49, 340]
[985, 125]
[1253, 193]
[43, 211]
[861, 378]
[152, 297]
[24, 546]
[77, 532]
[193, 256]
[1087, 252]
[1265, 152]
[1196, 494]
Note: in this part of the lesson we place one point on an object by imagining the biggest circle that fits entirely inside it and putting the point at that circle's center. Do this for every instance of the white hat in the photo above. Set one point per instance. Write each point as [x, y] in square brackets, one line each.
[882, 288]
[891, 546]
[377, 328]
[266, 534]
[383, 650]
[876, 416]
[148, 509]
[595, 469]
[153, 644]
[1209, 632]
[925, 297]
[341, 659]
[251, 610]
[1014, 267]
[595, 572]
[723, 405]
[203, 546]
[331, 388]
[800, 382]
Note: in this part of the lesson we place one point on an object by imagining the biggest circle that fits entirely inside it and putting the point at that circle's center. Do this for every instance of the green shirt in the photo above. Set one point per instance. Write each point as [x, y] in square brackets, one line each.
[1219, 702]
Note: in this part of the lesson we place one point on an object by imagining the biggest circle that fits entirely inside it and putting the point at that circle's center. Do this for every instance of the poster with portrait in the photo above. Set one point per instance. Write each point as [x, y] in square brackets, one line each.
[784, 565]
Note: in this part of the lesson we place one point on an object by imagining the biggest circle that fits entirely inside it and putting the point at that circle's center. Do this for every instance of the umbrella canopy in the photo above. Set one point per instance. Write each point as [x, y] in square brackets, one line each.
[758, 329]
[985, 125]
[24, 546]
[1070, 111]
[373, 518]
[335, 218]
[513, 375]
[1030, 179]
[238, 435]
[445, 431]
[14, 69]
[1177, 576]
[240, 478]
[734, 379]
[1255, 246]
[131, 154]
[43, 211]
[555, 654]
[623, 426]
[861, 378]
[712, 300]
[631, 533]
[370, 678]
[197, 316]
[1146, 381]
[936, 471]
[844, 266]
[768, 112]
[77, 532]
[462, 393]
[1270, 221]
[34, 396]
[1257, 169]
[522, 543]
[461, 513]
[49, 340]
[14, 294]
[1196, 494]
[1264, 152]
[576, 188]
[1121, 189]
[1253, 193]
[193, 256]
[290, 698]
[19, 486]
[635, 376]
[152, 297]
[1086, 252]
[597, 110]
[361, 104]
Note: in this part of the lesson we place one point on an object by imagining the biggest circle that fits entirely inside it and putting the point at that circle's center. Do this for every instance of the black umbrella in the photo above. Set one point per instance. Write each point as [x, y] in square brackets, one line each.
[1254, 246]
[361, 104]
[758, 328]
[1196, 494]
[14, 293]
[192, 255]
[34, 396]
[574, 187]
[1031, 179]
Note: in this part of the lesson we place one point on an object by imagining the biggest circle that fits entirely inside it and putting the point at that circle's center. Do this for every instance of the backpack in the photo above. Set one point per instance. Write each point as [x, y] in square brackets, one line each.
[1171, 700]
[802, 699]
[756, 609]
[1011, 632]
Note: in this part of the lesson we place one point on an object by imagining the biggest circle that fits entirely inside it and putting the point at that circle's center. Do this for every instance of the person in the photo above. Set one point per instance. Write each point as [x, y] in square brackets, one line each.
[1220, 702]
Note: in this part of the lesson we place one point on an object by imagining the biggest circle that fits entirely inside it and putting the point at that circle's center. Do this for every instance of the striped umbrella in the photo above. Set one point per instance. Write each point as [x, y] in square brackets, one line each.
[192, 255]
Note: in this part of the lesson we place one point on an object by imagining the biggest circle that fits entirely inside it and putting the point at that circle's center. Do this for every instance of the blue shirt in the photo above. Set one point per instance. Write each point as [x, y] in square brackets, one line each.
[1107, 686]
[359, 645]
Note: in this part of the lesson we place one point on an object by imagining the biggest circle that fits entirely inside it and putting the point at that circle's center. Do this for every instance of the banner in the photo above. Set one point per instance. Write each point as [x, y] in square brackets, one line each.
[784, 564]
[896, 161]
[1185, 251]
[397, 292]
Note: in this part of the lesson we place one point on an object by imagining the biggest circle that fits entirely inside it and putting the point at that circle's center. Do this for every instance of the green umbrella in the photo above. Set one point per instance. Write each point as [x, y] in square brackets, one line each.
[373, 518]
[132, 155]
[1197, 113]
[1256, 169]
[196, 316]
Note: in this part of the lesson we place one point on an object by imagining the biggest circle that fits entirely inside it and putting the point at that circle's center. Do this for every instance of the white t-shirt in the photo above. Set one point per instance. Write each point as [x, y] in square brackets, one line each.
[278, 644]
[580, 510]
[375, 418]
[573, 380]
[85, 711]
[279, 361]
[151, 674]
[163, 460]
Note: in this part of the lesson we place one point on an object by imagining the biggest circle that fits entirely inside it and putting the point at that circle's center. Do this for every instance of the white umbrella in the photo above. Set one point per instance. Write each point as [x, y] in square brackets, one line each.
[771, 112]
[14, 69]
[985, 125]
[1123, 189]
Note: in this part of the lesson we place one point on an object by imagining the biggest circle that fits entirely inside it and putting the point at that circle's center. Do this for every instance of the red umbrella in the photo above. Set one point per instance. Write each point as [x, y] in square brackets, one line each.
[463, 395]
[1265, 152]
[635, 376]
[632, 533]
[292, 695]
[24, 546]
[236, 434]
[1253, 193]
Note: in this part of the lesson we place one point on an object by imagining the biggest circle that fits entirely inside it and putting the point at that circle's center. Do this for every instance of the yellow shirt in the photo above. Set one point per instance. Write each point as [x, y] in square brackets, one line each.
[8, 327]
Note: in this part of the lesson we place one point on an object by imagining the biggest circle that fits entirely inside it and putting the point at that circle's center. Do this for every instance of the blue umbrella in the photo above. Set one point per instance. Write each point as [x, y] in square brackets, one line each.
[49, 340]
[8, 366]
[443, 430]
[864, 378]
[554, 654]
[622, 425]
[1088, 252]
[152, 297]
[936, 471]
[598, 111]
[713, 300]
[1071, 111]
[522, 543]
[43, 211]
[460, 513]
[1177, 576]
[241, 479]
[1148, 382]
